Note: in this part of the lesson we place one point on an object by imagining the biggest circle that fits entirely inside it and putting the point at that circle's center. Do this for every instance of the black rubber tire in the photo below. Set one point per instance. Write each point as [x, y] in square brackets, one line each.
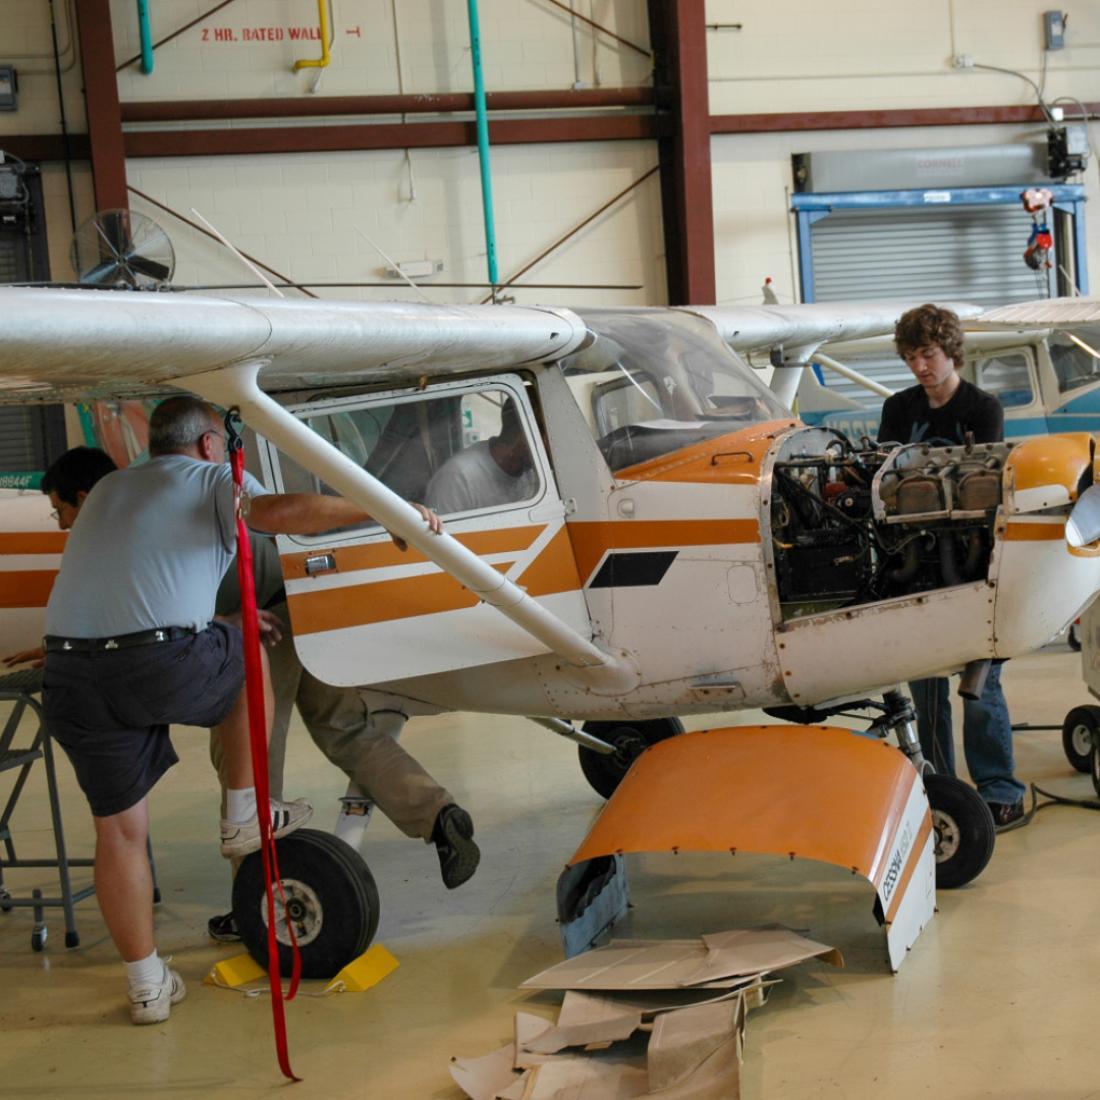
[631, 739]
[336, 924]
[1078, 736]
[1094, 766]
[38, 939]
[963, 830]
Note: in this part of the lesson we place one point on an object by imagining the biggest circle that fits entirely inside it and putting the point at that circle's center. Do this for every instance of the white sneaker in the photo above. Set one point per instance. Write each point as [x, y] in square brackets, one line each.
[239, 838]
[150, 1004]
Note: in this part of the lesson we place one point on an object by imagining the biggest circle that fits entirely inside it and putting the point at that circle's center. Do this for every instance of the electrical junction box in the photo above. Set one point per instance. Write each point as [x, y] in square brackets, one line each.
[1054, 30]
[9, 88]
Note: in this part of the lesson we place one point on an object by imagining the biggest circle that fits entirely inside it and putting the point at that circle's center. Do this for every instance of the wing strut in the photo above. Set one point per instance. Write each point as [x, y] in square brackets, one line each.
[237, 386]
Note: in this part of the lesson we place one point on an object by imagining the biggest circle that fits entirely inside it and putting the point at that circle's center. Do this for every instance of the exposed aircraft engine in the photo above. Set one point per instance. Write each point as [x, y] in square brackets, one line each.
[853, 526]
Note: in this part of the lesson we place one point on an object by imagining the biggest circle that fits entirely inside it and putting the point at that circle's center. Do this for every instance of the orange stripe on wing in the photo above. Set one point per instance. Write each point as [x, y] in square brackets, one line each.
[32, 542]
[592, 540]
[26, 587]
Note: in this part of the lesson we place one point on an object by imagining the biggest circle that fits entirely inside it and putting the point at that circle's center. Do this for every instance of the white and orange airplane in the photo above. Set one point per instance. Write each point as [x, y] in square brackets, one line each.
[674, 542]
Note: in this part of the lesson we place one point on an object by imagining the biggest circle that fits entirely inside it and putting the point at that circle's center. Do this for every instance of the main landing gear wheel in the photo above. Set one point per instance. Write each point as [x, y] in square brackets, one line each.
[1079, 732]
[331, 900]
[605, 772]
[963, 830]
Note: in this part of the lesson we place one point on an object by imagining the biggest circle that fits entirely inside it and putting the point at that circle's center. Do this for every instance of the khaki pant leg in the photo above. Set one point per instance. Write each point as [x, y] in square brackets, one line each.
[285, 671]
[364, 746]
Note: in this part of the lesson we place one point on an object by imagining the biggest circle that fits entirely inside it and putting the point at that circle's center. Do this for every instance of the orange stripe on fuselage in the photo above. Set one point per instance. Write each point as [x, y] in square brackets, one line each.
[554, 570]
[379, 555]
[26, 587]
[733, 459]
[592, 540]
[910, 867]
[32, 542]
[383, 601]
[1034, 532]
[551, 572]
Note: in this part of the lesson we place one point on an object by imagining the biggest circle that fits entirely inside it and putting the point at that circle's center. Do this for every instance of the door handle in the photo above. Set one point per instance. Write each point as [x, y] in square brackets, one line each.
[320, 563]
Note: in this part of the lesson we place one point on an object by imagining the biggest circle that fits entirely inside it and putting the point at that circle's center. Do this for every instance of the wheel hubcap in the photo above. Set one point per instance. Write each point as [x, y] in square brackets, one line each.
[303, 909]
[1081, 740]
[628, 747]
[947, 833]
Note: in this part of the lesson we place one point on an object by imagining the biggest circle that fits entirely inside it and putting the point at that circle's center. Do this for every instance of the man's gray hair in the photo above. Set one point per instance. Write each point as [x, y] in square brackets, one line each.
[178, 423]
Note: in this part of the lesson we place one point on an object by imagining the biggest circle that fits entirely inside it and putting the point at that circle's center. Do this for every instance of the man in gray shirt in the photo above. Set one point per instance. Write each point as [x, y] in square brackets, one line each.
[131, 648]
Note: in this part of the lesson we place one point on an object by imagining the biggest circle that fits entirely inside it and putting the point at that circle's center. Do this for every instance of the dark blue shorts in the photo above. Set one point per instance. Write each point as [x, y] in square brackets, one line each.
[110, 709]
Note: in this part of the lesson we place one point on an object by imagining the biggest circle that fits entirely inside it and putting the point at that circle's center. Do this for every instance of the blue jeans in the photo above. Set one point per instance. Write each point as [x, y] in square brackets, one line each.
[987, 735]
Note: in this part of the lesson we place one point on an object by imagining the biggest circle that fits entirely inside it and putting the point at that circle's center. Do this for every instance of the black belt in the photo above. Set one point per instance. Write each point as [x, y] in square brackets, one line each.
[53, 644]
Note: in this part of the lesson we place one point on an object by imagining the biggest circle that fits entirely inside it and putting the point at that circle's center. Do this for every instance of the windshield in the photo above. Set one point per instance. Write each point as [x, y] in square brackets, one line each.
[1076, 357]
[654, 382]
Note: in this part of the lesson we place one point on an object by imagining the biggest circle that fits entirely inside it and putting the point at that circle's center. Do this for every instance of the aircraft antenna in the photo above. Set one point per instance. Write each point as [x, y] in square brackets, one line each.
[122, 248]
[377, 248]
[247, 263]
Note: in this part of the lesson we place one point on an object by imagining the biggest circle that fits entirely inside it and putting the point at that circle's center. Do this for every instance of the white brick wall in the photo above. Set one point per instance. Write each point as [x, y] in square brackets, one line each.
[300, 214]
[525, 44]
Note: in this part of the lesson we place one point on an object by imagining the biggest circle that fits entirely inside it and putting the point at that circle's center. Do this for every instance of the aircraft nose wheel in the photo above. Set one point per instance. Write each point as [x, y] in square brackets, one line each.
[331, 902]
[603, 772]
[963, 830]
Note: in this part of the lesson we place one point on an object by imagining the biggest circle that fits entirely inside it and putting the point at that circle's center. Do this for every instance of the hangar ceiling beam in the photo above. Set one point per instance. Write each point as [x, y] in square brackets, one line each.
[382, 135]
[97, 60]
[879, 120]
[678, 33]
[548, 99]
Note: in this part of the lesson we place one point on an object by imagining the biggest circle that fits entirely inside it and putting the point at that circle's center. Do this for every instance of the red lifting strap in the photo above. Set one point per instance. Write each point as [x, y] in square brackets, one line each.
[257, 729]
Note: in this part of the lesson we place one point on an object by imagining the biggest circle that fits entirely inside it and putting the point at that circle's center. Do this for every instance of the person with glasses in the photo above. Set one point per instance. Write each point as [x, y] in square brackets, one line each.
[132, 646]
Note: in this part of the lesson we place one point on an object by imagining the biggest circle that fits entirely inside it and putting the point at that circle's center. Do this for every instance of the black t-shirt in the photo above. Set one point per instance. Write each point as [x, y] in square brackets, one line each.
[908, 418]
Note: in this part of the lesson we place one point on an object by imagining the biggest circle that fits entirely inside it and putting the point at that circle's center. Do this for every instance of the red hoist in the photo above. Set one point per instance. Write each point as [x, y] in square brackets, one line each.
[257, 730]
[1037, 201]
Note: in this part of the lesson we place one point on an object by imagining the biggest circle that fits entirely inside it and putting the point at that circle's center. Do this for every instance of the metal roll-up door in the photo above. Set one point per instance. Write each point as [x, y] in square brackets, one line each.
[961, 253]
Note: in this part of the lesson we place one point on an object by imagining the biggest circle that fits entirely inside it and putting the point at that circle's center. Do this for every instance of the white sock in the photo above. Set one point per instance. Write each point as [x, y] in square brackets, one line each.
[147, 971]
[240, 805]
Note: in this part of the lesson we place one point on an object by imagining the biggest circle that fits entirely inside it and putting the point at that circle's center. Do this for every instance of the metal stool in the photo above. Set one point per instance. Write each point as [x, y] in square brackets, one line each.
[20, 689]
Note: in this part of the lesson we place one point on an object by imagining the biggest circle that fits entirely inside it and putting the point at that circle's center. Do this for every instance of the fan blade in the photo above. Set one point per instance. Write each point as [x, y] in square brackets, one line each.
[115, 225]
[150, 268]
[103, 274]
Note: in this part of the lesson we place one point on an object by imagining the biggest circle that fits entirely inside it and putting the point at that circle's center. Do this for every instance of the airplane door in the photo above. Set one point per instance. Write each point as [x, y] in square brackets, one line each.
[365, 612]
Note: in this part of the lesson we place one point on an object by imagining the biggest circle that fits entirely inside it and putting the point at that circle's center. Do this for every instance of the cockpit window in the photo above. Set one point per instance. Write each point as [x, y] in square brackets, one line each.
[1076, 357]
[648, 387]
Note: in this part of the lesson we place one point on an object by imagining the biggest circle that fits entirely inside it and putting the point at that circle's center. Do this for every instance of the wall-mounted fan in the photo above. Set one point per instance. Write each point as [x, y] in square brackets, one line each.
[122, 248]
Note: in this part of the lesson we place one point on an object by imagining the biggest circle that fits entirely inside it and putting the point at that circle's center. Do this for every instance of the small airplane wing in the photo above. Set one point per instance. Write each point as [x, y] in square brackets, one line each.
[1044, 313]
[756, 328]
[68, 345]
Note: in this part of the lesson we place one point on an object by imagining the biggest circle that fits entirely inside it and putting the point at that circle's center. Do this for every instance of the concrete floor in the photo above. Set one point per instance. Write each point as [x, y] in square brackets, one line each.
[997, 997]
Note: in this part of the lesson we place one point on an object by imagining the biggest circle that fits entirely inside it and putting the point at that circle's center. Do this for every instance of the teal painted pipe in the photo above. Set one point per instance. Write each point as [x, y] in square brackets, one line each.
[146, 37]
[483, 143]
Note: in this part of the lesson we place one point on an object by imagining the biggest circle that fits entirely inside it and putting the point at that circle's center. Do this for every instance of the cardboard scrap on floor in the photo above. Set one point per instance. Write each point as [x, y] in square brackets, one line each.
[674, 964]
[664, 1018]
